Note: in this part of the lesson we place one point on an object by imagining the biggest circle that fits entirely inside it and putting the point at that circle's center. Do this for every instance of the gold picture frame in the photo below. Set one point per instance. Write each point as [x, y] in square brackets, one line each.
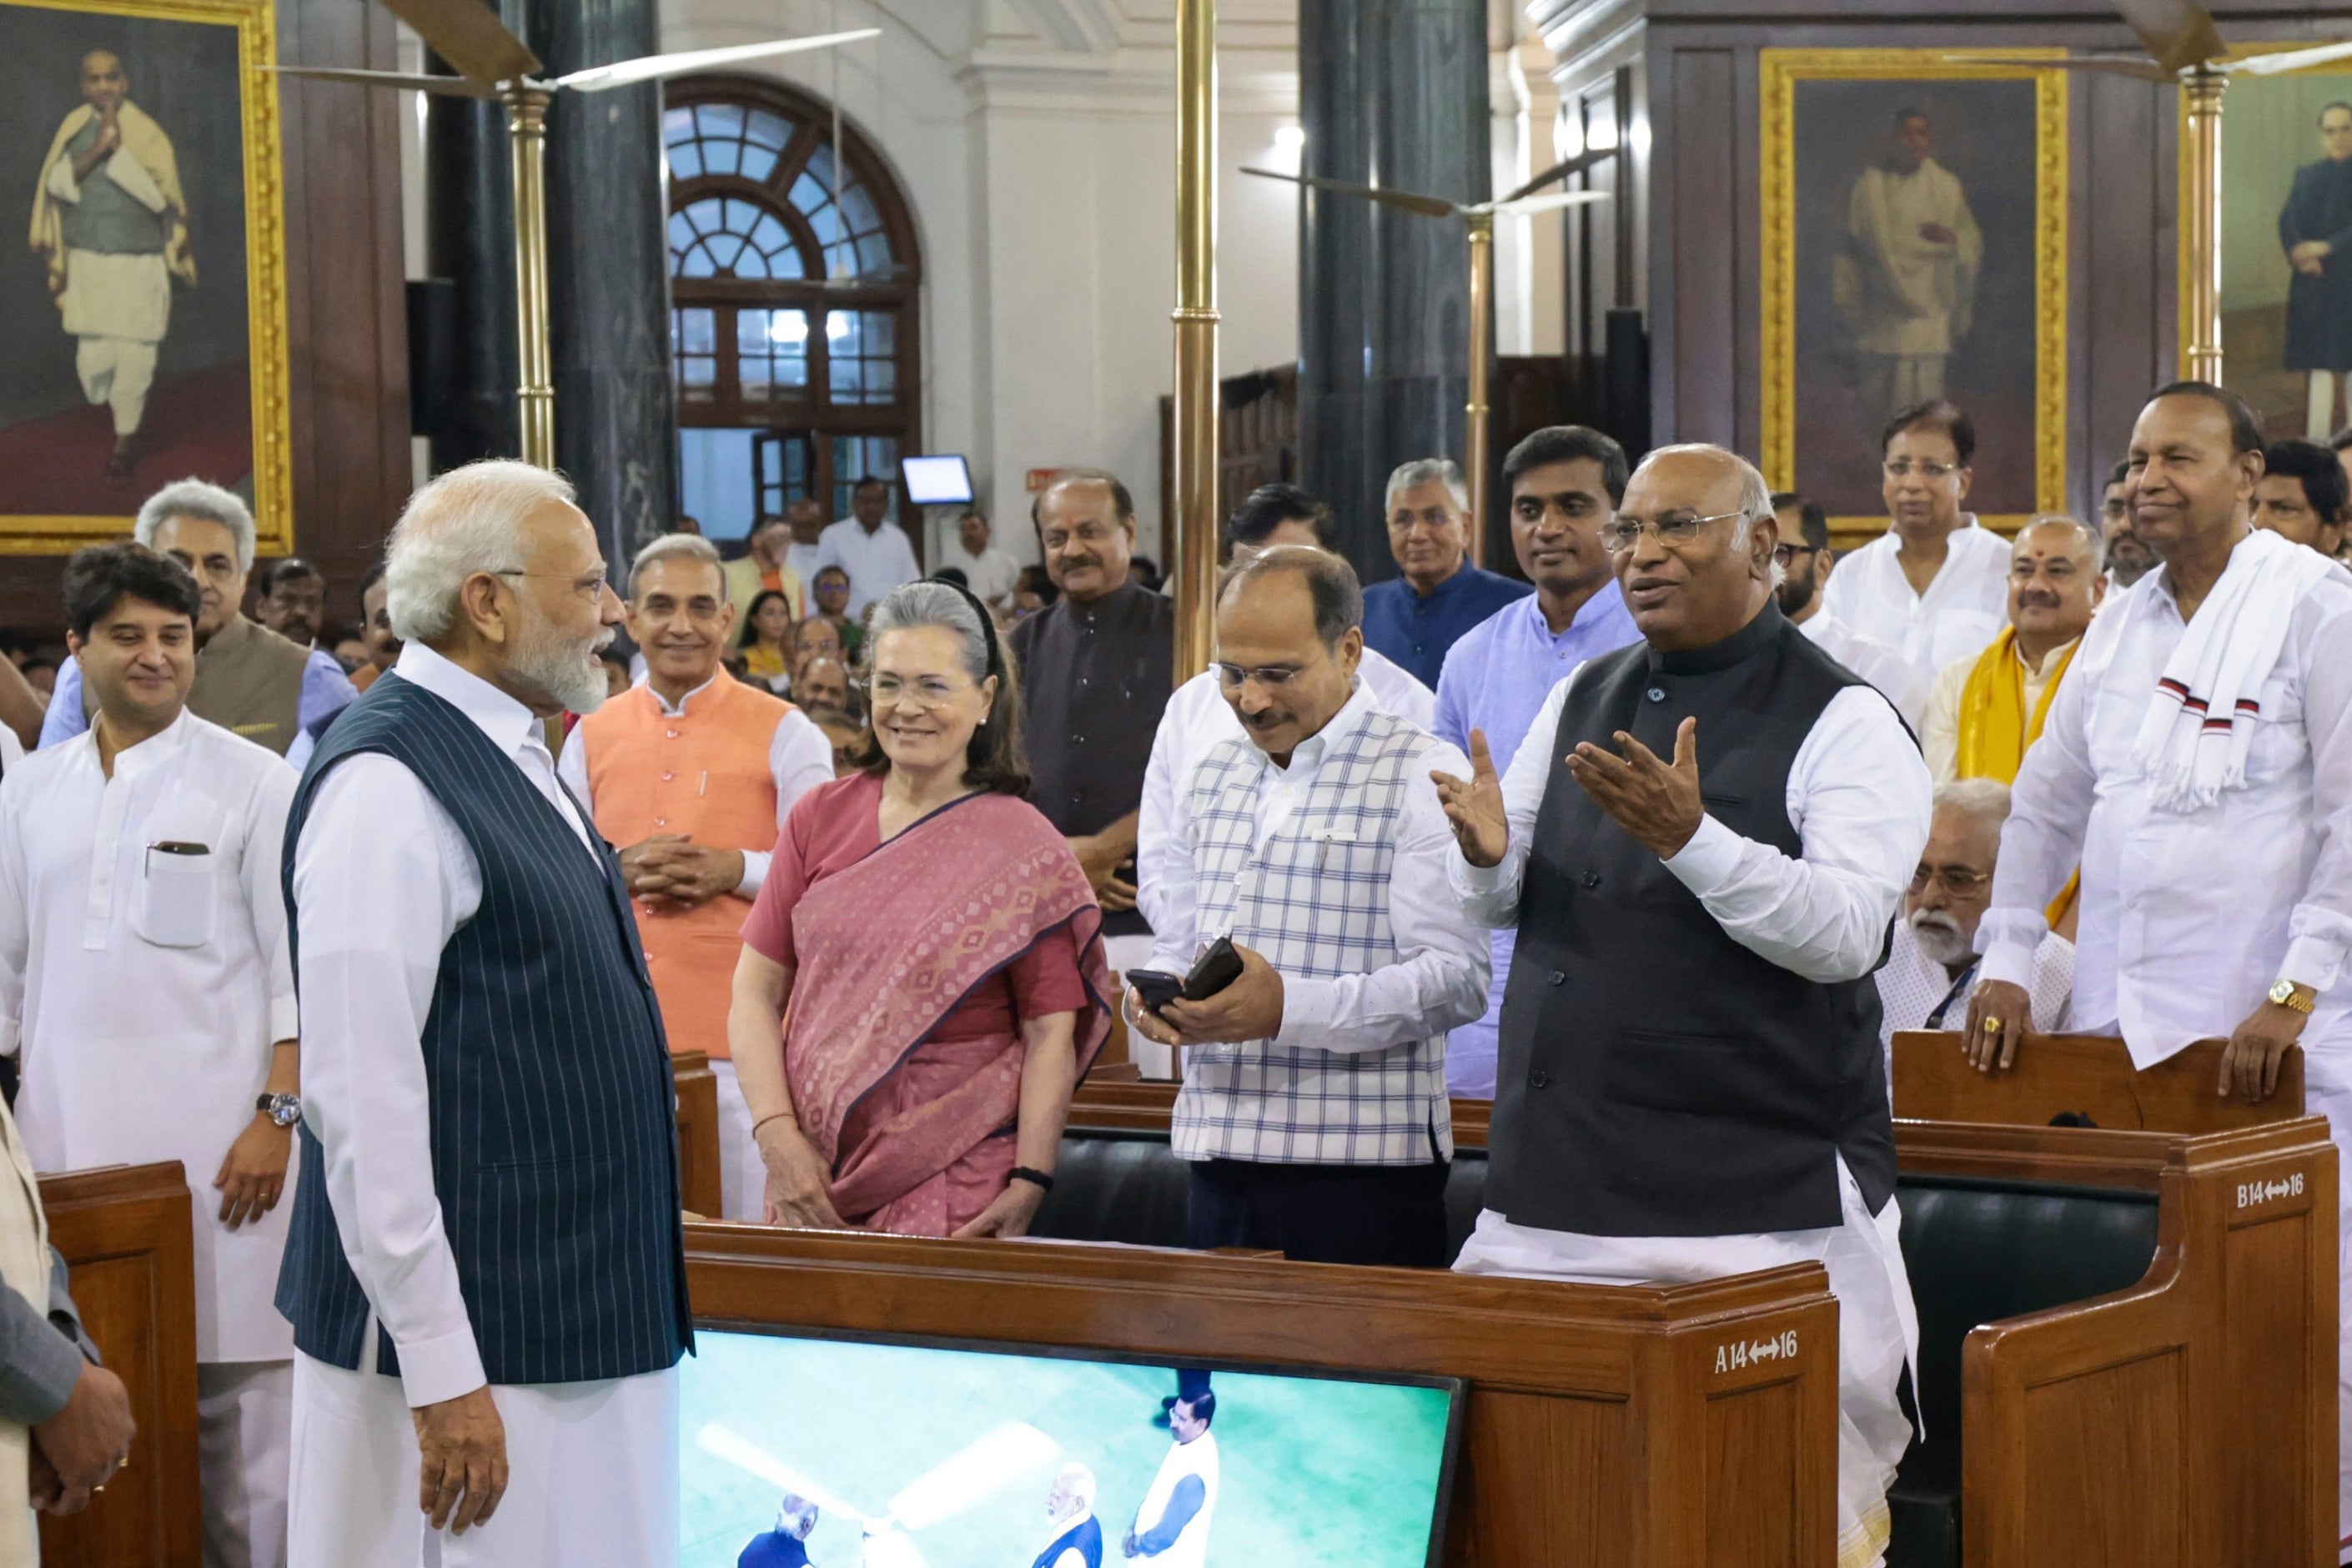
[130, 28]
[1781, 72]
[2257, 211]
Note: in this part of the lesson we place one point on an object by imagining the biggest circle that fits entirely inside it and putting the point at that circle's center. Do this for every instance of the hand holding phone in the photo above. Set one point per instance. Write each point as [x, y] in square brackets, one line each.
[1157, 987]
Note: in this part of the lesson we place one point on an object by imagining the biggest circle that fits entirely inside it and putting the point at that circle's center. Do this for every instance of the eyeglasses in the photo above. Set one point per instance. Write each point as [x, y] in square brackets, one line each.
[1785, 553]
[1904, 467]
[588, 586]
[1960, 884]
[1269, 677]
[1674, 531]
[928, 691]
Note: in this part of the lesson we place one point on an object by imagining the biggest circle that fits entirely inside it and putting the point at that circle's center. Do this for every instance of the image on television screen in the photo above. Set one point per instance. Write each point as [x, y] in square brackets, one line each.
[937, 481]
[846, 1453]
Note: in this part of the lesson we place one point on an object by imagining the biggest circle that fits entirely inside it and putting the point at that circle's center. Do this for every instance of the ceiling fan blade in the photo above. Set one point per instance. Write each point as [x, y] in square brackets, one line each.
[971, 1475]
[2291, 59]
[412, 81]
[1525, 206]
[653, 68]
[2176, 34]
[2106, 65]
[726, 1443]
[1428, 207]
[470, 35]
[1578, 165]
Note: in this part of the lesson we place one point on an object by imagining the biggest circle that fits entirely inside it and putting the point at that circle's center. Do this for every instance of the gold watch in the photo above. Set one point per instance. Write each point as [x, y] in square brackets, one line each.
[2287, 994]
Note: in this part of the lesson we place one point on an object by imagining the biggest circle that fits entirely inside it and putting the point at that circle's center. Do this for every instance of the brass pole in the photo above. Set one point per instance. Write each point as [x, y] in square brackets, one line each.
[526, 138]
[2202, 287]
[1196, 520]
[1482, 286]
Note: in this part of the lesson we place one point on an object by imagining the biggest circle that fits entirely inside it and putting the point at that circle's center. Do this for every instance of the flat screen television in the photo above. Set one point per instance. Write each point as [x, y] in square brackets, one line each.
[856, 1452]
[937, 481]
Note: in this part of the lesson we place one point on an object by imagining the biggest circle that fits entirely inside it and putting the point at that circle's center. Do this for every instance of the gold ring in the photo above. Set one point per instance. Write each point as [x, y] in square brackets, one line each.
[1992, 1026]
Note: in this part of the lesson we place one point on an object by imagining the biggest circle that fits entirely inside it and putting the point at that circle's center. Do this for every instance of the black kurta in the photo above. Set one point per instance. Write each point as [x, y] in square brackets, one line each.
[2319, 310]
[1094, 681]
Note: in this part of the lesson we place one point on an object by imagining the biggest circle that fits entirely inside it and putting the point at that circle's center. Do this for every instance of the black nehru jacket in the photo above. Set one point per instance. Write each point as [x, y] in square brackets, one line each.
[1657, 1078]
[1094, 680]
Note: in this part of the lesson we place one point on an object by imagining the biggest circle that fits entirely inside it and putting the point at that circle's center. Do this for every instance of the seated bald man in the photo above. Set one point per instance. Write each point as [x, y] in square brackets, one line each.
[1702, 843]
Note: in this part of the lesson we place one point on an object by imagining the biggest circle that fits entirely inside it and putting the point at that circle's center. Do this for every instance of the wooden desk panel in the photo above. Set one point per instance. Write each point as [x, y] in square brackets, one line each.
[1619, 1426]
[699, 1182]
[2083, 1075]
[124, 1232]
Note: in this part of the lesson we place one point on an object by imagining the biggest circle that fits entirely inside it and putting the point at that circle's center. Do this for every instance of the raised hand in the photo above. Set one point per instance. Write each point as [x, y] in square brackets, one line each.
[1657, 803]
[1474, 807]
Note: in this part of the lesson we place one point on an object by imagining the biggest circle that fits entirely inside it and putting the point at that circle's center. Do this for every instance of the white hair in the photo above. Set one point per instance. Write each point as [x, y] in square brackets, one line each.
[1987, 800]
[194, 498]
[1428, 471]
[678, 547]
[796, 1516]
[1076, 1483]
[468, 520]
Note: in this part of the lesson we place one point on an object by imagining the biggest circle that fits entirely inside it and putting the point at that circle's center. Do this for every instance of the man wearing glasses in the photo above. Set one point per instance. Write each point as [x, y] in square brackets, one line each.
[1934, 586]
[1931, 968]
[1314, 1107]
[1701, 844]
[692, 772]
[1804, 559]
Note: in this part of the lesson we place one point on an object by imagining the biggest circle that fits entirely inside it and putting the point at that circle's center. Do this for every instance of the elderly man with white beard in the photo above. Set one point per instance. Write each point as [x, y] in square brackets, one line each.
[1932, 969]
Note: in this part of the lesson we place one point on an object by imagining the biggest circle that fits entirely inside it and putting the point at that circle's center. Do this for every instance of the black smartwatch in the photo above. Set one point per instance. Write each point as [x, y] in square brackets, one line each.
[1038, 1179]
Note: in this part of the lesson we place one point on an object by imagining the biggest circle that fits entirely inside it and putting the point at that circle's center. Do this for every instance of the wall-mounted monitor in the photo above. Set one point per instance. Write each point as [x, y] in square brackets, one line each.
[937, 481]
[863, 1453]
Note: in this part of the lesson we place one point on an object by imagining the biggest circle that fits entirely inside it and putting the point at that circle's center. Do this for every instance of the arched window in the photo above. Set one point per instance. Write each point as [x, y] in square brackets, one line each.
[794, 285]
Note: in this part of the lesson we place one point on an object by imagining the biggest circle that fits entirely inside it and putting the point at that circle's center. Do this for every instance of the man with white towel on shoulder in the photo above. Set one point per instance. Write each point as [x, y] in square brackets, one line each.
[2198, 762]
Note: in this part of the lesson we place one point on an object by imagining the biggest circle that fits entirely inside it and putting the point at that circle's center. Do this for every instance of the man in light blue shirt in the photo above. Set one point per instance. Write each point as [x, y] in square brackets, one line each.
[1564, 482]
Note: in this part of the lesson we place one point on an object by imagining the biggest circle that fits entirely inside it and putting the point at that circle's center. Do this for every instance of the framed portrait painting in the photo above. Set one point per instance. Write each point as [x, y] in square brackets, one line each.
[143, 317]
[2286, 247]
[1914, 247]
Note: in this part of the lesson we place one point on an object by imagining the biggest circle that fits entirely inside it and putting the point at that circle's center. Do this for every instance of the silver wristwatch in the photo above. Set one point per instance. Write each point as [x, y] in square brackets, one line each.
[285, 1109]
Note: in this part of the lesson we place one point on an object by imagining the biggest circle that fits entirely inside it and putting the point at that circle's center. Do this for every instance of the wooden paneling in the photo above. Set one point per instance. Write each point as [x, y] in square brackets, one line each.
[698, 1183]
[1597, 1415]
[1697, 399]
[2098, 1447]
[2083, 1075]
[124, 1232]
[346, 316]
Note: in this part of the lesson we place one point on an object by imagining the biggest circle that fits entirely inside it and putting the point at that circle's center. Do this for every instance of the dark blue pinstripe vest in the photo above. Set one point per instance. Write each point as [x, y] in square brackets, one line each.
[554, 1144]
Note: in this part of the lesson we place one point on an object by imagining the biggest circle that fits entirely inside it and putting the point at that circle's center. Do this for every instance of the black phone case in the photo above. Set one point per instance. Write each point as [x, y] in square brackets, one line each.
[1215, 969]
[1157, 987]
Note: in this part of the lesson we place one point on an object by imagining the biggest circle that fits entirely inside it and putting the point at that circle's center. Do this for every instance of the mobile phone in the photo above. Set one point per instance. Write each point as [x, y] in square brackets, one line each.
[1157, 987]
[1214, 970]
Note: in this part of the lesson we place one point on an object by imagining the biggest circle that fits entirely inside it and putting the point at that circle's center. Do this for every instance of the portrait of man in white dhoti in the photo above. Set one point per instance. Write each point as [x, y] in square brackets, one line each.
[1906, 278]
[111, 220]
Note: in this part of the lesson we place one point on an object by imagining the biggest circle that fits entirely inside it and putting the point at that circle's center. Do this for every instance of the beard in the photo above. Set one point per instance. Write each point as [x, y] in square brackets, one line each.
[1940, 938]
[563, 668]
[1795, 592]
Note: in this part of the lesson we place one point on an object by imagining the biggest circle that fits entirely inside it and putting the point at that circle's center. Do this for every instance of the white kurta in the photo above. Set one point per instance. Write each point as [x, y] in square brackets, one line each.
[1939, 728]
[1874, 661]
[144, 991]
[1917, 295]
[382, 879]
[1197, 1458]
[1963, 609]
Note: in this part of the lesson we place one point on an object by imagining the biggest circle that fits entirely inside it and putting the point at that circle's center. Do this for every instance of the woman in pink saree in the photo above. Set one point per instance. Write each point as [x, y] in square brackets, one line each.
[921, 985]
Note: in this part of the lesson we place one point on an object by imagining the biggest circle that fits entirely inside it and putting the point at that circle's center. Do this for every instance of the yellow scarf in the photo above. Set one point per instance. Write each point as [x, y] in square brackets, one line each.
[1994, 728]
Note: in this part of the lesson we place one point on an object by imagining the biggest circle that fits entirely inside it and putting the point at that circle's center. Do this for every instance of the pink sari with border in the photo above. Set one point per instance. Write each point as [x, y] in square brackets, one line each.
[919, 1130]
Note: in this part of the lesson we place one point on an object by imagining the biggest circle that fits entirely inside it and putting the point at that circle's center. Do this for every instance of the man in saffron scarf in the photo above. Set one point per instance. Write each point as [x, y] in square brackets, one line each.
[1987, 710]
[940, 951]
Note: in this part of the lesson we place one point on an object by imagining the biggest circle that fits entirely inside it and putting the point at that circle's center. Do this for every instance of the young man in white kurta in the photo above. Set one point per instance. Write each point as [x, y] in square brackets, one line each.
[2223, 909]
[146, 993]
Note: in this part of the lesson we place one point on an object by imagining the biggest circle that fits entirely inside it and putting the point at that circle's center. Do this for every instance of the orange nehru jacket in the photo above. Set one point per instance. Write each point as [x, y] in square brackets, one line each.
[704, 773]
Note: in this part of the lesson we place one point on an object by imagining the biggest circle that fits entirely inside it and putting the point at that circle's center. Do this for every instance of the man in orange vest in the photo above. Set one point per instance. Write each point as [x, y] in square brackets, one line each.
[689, 773]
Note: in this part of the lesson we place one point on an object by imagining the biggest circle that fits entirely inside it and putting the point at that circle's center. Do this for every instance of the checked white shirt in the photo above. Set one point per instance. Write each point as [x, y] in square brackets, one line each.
[1333, 869]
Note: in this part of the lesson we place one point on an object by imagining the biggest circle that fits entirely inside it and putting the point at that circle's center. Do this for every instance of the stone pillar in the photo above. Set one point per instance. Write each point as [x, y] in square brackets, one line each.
[1391, 93]
[608, 264]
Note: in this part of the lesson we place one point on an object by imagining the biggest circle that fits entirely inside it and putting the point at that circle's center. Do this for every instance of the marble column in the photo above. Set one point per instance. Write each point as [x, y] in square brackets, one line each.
[1391, 93]
[608, 265]
[469, 240]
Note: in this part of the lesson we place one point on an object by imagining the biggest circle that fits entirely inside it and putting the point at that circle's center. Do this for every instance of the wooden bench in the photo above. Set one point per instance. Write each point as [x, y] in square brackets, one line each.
[698, 1183]
[2088, 1079]
[2128, 1338]
[125, 1235]
[1634, 1427]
